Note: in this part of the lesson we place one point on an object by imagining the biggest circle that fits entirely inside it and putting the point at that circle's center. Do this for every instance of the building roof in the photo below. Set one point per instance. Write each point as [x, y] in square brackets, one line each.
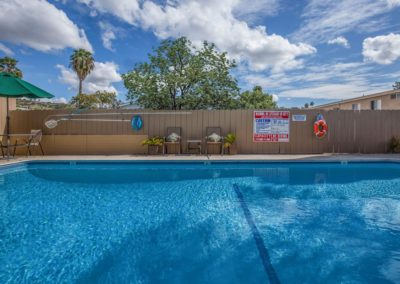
[129, 106]
[358, 98]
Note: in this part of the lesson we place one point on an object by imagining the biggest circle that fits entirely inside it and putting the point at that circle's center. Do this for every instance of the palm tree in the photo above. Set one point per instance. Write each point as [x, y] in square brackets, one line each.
[9, 65]
[82, 62]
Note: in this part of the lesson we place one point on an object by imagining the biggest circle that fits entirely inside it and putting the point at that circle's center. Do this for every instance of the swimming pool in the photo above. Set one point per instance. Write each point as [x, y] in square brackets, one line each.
[233, 222]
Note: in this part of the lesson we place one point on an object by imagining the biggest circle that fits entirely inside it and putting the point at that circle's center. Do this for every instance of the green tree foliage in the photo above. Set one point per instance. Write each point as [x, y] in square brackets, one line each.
[256, 99]
[9, 65]
[180, 76]
[87, 101]
[396, 86]
[100, 99]
[82, 62]
[107, 99]
[309, 105]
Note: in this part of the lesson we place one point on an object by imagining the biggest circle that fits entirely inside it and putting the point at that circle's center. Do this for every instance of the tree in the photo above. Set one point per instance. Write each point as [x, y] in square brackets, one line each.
[180, 76]
[9, 65]
[306, 105]
[256, 99]
[86, 101]
[107, 99]
[100, 99]
[312, 104]
[396, 86]
[82, 62]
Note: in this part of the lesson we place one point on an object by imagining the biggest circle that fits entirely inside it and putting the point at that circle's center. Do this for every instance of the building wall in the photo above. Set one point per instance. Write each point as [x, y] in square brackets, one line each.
[3, 111]
[349, 131]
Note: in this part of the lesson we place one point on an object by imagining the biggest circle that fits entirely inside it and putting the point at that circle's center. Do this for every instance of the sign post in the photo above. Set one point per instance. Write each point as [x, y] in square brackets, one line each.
[271, 126]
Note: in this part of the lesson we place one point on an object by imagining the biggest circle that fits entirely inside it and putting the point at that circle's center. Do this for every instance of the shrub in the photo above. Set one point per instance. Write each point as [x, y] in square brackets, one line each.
[394, 145]
[153, 141]
[229, 140]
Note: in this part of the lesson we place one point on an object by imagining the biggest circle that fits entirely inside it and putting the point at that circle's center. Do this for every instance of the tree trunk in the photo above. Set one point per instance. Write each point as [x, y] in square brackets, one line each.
[80, 87]
[174, 101]
[173, 97]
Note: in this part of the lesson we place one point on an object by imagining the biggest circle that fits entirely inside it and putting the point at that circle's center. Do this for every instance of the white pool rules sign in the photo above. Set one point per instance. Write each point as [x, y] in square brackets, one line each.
[271, 126]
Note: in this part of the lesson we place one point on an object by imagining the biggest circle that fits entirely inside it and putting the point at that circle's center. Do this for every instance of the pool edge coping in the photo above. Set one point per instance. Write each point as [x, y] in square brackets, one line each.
[325, 160]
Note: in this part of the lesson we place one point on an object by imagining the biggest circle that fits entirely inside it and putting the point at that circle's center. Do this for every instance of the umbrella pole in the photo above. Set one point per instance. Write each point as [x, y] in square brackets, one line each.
[8, 131]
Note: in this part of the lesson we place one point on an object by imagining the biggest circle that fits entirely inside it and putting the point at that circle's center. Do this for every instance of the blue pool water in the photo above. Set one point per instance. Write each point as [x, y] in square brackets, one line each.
[200, 223]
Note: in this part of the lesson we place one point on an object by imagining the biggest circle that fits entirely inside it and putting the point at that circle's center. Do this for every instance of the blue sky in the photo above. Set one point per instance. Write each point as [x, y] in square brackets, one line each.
[300, 51]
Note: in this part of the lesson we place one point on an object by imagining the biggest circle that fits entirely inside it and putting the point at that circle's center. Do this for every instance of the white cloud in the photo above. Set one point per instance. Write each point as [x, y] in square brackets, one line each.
[393, 3]
[327, 81]
[275, 97]
[312, 74]
[382, 49]
[60, 100]
[326, 19]
[329, 91]
[7, 51]
[128, 10]
[108, 34]
[100, 79]
[39, 25]
[255, 10]
[340, 40]
[68, 77]
[214, 21]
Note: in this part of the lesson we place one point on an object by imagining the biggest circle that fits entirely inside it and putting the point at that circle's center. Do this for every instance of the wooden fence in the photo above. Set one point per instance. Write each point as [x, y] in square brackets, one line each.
[349, 131]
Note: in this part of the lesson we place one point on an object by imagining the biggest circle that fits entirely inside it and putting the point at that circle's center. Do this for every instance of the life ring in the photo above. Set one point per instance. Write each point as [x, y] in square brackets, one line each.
[320, 128]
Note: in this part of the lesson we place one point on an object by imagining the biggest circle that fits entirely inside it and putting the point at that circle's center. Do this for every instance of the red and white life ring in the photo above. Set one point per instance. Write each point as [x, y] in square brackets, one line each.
[320, 128]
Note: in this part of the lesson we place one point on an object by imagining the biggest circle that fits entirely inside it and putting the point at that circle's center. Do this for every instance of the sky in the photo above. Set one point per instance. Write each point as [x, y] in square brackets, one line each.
[298, 50]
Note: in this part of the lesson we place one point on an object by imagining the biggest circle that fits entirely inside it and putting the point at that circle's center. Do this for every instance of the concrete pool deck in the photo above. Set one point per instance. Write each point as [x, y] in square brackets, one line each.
[319, 157]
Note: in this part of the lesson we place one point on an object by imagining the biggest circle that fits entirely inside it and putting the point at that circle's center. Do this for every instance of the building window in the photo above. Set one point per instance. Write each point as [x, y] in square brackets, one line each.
[356, 107]
[376, 104]
[395, 96]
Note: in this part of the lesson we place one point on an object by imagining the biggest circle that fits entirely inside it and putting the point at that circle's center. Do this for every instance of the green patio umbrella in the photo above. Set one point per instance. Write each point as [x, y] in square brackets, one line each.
[13, 87]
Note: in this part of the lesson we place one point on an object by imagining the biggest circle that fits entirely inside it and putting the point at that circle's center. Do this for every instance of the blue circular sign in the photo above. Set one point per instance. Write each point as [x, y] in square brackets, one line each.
[137, 122]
